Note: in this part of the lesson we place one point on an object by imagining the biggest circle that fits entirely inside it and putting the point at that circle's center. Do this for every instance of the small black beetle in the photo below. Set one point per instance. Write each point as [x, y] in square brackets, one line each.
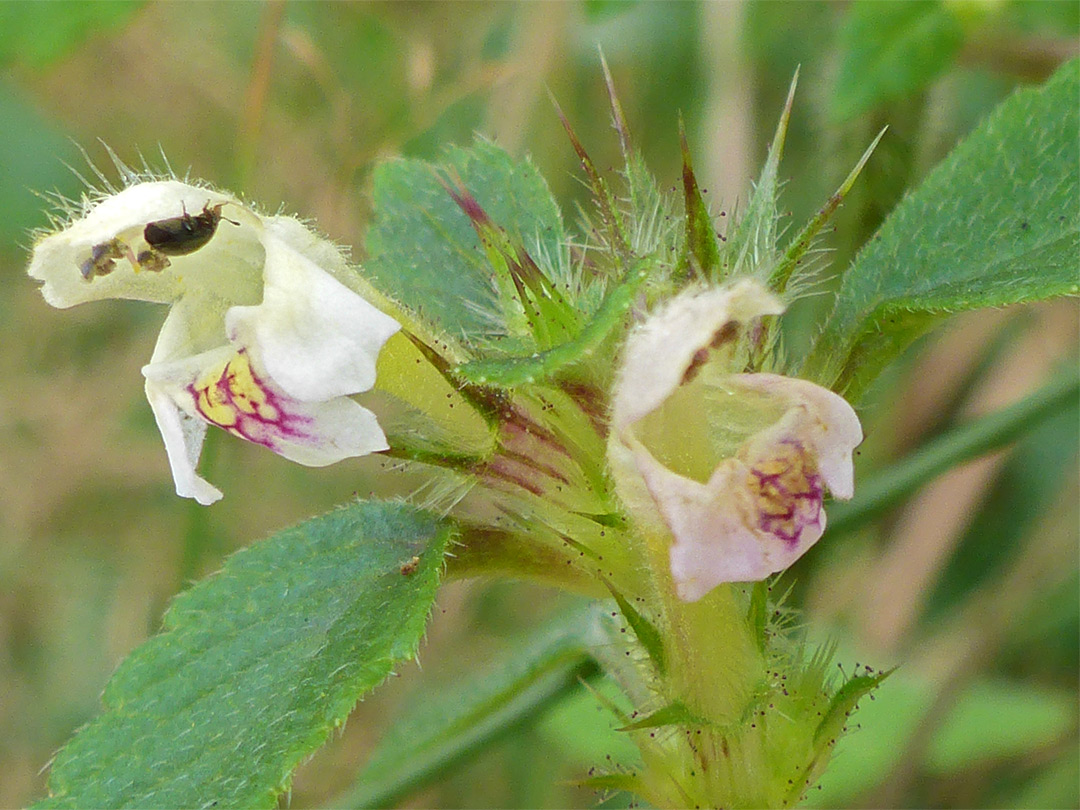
[178, 236]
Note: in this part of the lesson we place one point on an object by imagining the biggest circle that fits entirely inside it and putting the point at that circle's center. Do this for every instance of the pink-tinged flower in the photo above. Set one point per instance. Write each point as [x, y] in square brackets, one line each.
[732, 468]
[264, 337]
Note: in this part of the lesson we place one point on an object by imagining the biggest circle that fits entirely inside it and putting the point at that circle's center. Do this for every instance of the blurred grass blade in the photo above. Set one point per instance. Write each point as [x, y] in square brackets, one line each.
[1023, 491]
[442, 729]
[998, 719]
[964, 443]
[258, 664]
[987, 357]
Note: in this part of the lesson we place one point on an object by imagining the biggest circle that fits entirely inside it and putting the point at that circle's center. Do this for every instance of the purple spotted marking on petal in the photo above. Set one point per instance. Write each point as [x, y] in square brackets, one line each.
[236, 398]
[788, 492]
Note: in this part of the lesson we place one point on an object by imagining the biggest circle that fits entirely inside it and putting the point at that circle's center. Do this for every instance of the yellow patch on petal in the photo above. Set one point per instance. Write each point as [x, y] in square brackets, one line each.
[230, 391]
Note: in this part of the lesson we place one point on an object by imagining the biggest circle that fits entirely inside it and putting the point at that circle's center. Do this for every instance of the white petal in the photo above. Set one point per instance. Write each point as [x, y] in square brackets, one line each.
[195, 324]
[658, 354]
[57, 258]
[315, 337]
[338, 429]
[183, 436]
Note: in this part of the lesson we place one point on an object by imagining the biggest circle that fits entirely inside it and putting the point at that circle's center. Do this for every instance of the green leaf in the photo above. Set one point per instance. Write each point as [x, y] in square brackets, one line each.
[645, 630]
[702, 249]
[864, 757]
[438, 731]
[423, 250]
[788, 266]
[997, 222]
[844, 702]
[891, 50]
[751, 245]
[834, 726]
[258, 664]
[673, 714]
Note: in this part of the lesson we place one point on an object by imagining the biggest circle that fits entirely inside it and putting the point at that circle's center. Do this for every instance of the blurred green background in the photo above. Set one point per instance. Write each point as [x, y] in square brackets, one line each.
[972, 585]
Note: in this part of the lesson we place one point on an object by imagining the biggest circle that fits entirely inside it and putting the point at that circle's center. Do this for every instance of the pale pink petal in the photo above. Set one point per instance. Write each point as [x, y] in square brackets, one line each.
[783, 443]
[828, 424]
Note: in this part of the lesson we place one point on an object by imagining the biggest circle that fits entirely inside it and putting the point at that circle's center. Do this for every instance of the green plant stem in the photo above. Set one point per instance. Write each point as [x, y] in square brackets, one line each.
[963, 444]
[711, 658]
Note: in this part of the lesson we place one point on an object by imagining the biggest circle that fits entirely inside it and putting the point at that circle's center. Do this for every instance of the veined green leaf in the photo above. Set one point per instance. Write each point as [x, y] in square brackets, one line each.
[424, 252]
[258, 664]
[997, 222]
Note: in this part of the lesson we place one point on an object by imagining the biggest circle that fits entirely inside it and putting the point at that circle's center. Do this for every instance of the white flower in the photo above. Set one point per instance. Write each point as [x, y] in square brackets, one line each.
[262, 339]
[731, 467]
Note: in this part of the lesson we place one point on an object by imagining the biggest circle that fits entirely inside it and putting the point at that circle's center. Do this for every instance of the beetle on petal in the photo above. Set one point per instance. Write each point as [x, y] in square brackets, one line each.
[178, 236]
